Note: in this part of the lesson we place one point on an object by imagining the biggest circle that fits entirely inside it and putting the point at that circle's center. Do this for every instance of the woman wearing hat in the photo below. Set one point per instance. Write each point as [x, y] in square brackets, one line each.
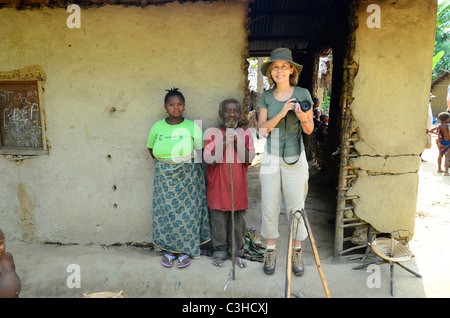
[284, 168]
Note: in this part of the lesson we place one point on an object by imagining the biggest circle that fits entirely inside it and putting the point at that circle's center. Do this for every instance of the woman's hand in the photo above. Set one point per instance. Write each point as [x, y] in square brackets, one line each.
[305, 118]
[301, 115]
[265, 125]
[289, 105]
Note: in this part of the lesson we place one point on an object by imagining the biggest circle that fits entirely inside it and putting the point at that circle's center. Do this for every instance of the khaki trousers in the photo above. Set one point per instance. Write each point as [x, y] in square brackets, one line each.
[282, 181]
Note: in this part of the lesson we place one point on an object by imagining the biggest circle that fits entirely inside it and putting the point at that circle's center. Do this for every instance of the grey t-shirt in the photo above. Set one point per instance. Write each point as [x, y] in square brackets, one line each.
[287, 139]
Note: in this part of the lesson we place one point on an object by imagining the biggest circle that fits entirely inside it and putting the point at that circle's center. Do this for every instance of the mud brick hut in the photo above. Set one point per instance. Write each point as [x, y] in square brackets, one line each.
[439, 88]
[80, 87]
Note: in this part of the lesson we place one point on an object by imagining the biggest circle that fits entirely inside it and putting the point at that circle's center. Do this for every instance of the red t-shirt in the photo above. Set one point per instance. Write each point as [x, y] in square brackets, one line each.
[218, 191]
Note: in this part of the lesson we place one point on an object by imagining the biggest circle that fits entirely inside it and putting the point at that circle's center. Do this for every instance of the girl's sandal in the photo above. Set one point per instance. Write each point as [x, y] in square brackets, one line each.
[181, 259]
[168, 257]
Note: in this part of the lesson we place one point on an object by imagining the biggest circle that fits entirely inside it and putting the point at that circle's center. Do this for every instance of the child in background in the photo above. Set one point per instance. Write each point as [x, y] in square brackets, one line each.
[225, 145]
[180, 214]
[9, 280]
[317, 112]
[316, 103]
[322, 130]
[443, 141]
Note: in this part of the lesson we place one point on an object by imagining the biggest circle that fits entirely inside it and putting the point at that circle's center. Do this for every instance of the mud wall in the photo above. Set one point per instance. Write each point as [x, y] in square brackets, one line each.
[394, 50]
[104, 89]
[439, 103]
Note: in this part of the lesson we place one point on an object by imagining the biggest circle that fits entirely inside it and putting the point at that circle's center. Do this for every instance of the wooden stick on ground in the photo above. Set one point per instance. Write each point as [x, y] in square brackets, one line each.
[316, 255]
[287, 291]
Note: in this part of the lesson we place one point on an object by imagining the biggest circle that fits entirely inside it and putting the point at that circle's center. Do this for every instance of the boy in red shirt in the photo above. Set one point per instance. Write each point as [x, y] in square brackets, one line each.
[224, 145]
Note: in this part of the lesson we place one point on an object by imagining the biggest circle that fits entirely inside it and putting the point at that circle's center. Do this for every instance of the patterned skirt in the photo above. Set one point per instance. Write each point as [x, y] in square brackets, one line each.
[180, 215]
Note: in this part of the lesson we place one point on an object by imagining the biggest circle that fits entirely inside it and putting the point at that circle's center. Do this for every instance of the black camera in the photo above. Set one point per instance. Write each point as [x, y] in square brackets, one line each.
[305, 105]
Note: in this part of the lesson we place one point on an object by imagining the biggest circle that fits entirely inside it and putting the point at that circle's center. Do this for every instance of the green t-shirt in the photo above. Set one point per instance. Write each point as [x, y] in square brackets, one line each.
[284, 138]
[174, 141]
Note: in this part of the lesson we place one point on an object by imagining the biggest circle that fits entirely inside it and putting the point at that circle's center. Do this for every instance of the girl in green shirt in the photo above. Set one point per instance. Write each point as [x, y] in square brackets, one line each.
[180, 214]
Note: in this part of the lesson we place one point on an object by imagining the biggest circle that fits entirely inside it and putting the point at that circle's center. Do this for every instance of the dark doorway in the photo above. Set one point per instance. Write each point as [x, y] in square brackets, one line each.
[313, 31]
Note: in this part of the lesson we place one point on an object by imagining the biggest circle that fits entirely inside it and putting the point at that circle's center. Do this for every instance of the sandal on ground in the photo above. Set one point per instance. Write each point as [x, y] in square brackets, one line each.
[217, 261]
[168, 257]
[181, 259]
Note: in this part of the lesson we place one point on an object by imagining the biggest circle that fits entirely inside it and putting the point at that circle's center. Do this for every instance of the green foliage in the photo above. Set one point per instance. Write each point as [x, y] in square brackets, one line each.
[441, 61]
[326, 103]
[437, 58]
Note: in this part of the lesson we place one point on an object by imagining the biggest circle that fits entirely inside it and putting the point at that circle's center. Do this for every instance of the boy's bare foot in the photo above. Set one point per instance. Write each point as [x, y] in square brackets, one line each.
[240, 262]
[440, 171]
[217, 261]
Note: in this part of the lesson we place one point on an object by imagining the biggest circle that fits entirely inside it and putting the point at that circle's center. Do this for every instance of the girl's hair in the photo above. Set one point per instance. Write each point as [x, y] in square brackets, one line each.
[443, 116]
[293, 78]
[173, 92]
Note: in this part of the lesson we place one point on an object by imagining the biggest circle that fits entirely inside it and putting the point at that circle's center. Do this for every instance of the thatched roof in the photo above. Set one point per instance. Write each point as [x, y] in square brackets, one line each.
[440, 78]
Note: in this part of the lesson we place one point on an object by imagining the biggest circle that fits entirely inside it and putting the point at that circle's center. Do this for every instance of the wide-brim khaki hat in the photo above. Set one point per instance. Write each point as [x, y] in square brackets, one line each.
[280, 54]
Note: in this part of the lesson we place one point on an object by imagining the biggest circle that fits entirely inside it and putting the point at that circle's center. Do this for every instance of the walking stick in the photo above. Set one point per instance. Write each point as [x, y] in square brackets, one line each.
[232, 273]
[233, 230]
[316, 254]
[287, 290]
[233, 239]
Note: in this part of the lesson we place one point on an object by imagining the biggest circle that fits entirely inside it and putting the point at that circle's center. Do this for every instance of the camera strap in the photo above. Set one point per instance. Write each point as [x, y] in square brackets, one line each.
[298, 140]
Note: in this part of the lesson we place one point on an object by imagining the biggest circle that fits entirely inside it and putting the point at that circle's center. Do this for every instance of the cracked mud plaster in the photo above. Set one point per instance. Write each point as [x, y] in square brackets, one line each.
[380, 146]
[27, 202]
[385, 201]
[385, 186]
[386, 165]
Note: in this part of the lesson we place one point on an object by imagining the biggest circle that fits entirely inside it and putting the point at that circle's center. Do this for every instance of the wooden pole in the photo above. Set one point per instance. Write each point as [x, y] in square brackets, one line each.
[342, 184]
[316, 255]
[233, 230]
[233, 239]
[287, 291]
[392, 278]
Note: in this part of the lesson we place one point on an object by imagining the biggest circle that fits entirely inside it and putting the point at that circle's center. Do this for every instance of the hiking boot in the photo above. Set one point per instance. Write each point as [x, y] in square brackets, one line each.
[297, 263]
[270, 260]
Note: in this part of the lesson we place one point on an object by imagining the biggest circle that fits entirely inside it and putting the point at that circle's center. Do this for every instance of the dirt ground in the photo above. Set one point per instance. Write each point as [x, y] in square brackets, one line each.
[47, 271]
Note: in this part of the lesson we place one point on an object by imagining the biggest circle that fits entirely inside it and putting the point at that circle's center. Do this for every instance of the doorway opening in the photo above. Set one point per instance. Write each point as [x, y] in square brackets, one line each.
[319, 34]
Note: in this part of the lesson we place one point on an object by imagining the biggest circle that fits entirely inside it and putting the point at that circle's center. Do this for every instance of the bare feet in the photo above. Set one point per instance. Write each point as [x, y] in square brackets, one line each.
[217, 261]
[440, 171]
[240, 262]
